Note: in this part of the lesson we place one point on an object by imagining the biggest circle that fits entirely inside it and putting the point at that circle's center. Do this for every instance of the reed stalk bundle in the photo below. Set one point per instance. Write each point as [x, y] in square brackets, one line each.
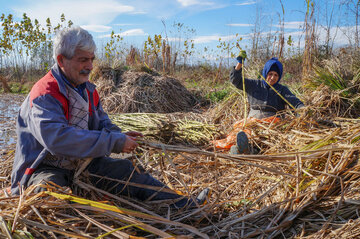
[174, 128]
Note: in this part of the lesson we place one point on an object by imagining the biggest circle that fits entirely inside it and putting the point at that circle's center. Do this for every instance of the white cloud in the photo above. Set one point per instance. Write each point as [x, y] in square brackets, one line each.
[340, 36]
[97, 28]
[138, 12]
[123, 24]
[207, 39]
[187, 3]
[246, 3]
[132, 32]
[175, 39]
[239, 25]
[81, 12]
[292, 25]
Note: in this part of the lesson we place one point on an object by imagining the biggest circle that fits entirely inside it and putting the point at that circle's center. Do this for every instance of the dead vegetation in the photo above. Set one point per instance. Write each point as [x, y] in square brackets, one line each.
[304, 184]
[309, 190]
[132, 92]
[5, 84]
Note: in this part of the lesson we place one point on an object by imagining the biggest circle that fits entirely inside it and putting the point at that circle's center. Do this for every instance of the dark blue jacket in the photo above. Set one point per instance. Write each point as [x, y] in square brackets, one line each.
[263, 100]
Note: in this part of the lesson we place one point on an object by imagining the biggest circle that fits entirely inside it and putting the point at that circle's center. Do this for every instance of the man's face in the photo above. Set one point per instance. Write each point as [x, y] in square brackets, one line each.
[78, 68]
[272, 77]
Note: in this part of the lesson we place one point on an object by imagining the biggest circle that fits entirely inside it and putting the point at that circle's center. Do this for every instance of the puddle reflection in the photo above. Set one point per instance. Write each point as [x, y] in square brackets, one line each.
[9, 107]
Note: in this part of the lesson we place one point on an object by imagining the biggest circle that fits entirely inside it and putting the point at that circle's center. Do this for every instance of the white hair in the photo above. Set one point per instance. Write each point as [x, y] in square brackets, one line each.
[67, 40]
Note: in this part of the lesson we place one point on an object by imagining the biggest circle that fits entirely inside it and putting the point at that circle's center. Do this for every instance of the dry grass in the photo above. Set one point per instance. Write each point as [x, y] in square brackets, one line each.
[132, 92]
[305, 184]
[309, 190]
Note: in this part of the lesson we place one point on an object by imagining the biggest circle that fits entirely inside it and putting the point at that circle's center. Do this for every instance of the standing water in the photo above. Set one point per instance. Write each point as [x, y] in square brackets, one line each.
[9, 107]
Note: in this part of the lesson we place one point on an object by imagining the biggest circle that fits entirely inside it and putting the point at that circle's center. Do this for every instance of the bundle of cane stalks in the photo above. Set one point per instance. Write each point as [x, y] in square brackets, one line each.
[188, 128]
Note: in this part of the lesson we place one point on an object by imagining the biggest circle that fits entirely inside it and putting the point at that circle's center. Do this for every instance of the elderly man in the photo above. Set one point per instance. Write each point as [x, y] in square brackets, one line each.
[61, 123]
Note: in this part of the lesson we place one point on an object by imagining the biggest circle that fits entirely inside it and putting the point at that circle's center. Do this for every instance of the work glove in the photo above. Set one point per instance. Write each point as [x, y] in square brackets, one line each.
[241, 57]
[301, 111]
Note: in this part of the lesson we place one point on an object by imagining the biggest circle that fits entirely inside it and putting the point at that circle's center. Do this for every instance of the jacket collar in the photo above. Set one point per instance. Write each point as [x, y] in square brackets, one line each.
[60, 78]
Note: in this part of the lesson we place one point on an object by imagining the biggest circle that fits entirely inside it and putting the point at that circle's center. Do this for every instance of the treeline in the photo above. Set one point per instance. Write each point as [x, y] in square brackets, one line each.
[26, 45]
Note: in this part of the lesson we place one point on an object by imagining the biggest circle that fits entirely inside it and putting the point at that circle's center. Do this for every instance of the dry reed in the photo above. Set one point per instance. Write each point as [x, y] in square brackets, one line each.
[310, 190]
[132, 92]
[304, 184]
[189, 128]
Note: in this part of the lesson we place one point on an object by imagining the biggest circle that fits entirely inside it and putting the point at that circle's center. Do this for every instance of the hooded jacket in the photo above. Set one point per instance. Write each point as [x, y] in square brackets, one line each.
[263, 100]
[43, 128]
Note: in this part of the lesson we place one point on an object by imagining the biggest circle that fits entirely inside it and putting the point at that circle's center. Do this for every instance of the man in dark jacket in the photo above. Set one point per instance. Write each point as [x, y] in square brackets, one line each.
[61, 123]
[264, 101]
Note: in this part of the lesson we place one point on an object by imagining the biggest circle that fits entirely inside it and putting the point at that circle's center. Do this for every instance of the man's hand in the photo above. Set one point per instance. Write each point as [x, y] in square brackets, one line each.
[134, 134]
[241, 57]
[301, 111]
[130, 144]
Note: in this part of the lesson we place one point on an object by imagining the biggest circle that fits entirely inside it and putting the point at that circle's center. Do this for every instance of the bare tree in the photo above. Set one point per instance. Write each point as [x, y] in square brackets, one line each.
[357, 25]
[256, 31]
[328, 27]
[310, 44]
[282, 34]
[352, 13]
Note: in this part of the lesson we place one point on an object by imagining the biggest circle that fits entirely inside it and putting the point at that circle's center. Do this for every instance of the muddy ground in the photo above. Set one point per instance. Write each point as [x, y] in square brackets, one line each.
[9, 107]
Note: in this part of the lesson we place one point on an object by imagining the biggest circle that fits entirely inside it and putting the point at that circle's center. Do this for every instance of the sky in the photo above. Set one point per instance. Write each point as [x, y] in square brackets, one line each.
[136, 20]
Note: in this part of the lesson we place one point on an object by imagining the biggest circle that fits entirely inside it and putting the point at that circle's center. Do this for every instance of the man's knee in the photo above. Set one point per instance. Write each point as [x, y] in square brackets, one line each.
[44, 175]
[112, 168]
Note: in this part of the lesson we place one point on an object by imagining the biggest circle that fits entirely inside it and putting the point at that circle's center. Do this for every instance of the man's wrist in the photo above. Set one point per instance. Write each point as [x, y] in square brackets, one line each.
[238, 66]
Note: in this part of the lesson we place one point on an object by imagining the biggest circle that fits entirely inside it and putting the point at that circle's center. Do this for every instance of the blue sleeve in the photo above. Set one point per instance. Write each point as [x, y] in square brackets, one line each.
[105, 122]
[289, 96]
[236, 80]
[48, 124]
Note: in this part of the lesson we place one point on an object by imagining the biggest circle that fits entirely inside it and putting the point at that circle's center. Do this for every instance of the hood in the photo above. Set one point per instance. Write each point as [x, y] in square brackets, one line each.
[268, 65]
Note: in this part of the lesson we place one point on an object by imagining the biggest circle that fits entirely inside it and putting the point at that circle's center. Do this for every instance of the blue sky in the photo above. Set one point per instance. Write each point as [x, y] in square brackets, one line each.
[136, 20]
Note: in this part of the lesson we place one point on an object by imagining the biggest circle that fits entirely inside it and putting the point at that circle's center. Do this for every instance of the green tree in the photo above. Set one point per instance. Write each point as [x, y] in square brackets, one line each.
[113, 48]
[25, 45]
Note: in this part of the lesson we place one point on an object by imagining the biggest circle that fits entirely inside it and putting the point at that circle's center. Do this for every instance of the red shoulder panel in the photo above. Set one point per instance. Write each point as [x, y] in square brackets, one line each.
[95, 98]
[49, 85]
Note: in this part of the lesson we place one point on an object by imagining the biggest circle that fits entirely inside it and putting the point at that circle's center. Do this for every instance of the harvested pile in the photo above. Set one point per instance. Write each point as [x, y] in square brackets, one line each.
[310, 190]
[133, 92]
[228, 111]
[189, 129]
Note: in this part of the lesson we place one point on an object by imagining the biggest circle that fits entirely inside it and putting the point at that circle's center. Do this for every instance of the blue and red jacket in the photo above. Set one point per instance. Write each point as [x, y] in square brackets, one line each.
[43, 127]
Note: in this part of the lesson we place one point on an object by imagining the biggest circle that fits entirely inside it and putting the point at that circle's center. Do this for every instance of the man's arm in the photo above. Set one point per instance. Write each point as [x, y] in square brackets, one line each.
[236, 79]
[49, 126]
[289, 96]
[105, 122]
